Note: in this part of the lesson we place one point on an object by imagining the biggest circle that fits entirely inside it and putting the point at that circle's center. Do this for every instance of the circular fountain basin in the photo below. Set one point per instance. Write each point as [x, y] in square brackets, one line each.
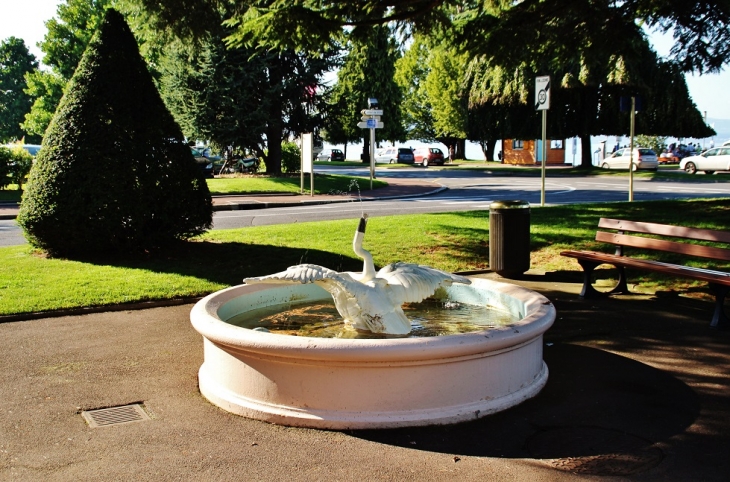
[336, 383]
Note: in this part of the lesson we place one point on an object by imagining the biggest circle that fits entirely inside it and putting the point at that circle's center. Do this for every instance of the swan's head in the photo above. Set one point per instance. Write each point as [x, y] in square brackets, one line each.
[368, 271]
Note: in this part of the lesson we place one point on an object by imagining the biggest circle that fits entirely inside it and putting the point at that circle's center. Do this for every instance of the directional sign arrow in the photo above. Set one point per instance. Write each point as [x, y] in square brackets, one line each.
[371, 124]
[368, 117]
[372, 112]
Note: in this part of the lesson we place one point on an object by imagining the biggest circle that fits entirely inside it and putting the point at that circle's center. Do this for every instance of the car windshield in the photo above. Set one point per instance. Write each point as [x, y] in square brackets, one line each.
[336, 151]
[647, 152]
[435, 150]
[404, 151]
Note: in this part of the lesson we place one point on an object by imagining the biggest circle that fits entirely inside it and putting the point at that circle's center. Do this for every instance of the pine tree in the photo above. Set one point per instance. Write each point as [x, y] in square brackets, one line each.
[114, 174]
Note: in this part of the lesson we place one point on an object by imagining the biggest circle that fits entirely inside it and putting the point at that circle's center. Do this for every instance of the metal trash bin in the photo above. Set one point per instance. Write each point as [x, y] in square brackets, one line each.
[509, 237]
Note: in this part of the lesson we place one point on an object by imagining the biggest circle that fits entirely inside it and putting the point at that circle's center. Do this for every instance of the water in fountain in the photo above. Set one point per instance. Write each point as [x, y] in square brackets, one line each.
[320, 319]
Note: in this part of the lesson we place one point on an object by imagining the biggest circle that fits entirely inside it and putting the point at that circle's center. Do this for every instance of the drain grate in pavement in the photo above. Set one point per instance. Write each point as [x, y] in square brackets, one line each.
[594, 451]
[104, 417]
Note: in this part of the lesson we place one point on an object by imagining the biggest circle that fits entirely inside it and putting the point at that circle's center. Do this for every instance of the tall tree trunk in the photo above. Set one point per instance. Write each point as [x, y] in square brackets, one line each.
[460, 149]
[589, 99]
[366, 146]
[586, 156]
[275, 126]
[491, 145]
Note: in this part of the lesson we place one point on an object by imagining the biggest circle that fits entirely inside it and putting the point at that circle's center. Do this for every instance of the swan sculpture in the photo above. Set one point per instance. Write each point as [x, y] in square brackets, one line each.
[370, 301]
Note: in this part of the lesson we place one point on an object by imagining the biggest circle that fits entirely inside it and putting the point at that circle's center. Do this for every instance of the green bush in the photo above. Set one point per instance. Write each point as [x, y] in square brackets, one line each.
[114, 173]
[291, 158]
[15, 164]
[22, 161]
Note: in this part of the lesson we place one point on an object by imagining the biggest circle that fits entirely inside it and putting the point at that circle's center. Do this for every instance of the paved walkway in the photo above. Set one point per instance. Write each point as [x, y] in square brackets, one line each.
[638, 390]
[397, 188]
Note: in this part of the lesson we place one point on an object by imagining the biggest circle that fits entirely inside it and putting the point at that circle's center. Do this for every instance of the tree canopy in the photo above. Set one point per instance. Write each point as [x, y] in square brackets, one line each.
[367, 71]
[496, 27]
[115, 173]
[15, 62]
[63, 45]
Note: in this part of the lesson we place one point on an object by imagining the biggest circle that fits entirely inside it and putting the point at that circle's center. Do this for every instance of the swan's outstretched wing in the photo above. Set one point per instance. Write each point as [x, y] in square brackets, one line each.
[343, 288]
[302, 273]
[411, 283]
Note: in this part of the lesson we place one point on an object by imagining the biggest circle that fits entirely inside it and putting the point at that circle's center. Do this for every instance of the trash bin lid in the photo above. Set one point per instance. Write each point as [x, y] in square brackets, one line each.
[509, 204]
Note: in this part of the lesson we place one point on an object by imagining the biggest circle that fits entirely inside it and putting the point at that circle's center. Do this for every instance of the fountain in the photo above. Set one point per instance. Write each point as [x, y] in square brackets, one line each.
[391, 381]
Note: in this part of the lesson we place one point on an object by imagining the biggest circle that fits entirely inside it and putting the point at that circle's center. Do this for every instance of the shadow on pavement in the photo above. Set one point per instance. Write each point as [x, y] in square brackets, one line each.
[595, 403]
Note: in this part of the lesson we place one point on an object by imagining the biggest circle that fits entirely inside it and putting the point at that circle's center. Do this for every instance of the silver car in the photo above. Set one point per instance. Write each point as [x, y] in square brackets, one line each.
[643, 159]
[717, 159]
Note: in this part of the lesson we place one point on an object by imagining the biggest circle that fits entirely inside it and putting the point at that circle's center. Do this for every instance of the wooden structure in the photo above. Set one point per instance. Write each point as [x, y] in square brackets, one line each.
[681, 243]
[515, 151]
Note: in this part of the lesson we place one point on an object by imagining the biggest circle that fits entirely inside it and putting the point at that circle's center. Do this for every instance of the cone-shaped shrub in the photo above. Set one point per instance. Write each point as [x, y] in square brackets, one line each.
[114, 174]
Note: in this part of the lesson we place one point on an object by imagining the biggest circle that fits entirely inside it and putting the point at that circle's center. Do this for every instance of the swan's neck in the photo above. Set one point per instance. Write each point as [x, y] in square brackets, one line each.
[368, 270]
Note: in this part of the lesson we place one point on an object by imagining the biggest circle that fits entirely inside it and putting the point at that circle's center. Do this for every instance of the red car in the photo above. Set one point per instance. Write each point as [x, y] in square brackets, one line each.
[428, 155]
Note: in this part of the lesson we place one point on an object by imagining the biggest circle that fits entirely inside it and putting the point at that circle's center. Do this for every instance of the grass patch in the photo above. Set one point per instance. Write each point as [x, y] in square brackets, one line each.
[450, 241]
[323, 184]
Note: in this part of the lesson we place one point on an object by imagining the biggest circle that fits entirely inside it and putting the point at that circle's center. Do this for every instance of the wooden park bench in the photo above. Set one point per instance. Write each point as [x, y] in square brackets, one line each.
[680, 243]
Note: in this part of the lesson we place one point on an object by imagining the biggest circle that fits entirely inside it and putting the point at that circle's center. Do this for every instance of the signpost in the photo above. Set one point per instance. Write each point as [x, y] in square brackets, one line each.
[371, 120]
[542, 102]
[307, 162]
[636, 104]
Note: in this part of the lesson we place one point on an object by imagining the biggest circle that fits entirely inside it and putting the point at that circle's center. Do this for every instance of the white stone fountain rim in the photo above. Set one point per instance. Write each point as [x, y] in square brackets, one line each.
[537, 313]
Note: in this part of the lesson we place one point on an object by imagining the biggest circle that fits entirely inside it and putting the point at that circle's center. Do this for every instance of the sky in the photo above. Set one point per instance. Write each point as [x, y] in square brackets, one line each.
[25, 19]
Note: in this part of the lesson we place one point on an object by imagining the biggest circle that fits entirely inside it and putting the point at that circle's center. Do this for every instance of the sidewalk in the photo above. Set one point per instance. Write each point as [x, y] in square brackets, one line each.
[638, 390]
[396, 189]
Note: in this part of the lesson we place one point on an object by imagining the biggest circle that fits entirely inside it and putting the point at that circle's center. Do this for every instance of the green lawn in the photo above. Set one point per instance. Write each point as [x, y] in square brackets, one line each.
[323, 184]
[453, 241]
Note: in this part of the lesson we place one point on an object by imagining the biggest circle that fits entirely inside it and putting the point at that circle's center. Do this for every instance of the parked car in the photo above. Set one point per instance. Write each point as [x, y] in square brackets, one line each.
[643, 159]
[331, 155]
[205, 164]
[716, 159]
[392, 155]
[428, 155]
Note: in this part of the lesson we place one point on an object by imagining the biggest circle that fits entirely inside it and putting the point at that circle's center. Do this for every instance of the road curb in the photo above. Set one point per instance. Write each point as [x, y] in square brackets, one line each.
[245, 206]
[315, 202]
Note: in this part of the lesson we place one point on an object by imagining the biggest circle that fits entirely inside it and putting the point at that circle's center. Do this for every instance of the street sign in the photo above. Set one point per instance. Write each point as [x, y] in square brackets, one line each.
[372, 112]
[371, 124]
[368, 117]
[542, 93]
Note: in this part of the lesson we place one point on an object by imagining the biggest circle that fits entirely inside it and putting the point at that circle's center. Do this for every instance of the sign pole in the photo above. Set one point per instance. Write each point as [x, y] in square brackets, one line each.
[372, 157]
[544, 155]
[542, 102]
[631, 150]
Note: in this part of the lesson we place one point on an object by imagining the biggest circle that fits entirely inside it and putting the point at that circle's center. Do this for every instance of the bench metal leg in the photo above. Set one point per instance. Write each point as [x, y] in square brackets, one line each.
[589, 291]
[719, 319]
[622, 287]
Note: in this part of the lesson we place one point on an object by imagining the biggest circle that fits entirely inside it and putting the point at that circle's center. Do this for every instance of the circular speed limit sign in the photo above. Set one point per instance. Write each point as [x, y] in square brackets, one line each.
[542, 93]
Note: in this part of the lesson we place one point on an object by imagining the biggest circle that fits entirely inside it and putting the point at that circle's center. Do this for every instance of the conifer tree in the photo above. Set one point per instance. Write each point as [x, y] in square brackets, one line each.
[114, 173]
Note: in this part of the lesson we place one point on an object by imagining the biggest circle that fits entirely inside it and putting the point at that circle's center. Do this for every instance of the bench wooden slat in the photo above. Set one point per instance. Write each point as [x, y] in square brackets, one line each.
[665, 230]
[708, 275]
[664, 245]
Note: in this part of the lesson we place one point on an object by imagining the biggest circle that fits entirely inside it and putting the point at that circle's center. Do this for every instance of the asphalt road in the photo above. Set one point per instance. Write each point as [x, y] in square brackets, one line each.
[476, 190]
[468, 190]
